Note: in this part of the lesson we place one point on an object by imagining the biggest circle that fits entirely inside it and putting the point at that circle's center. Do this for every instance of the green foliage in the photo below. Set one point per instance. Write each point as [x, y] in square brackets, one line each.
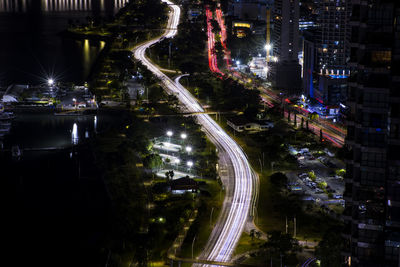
[226, 94]
[330, 247]
[152, 161]
[312, 176]
[281, 245]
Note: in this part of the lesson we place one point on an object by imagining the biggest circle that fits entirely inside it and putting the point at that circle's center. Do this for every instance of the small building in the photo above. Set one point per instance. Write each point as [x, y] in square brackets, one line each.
[184, 184]
[194, 13]
[241, 124]
[241, 28]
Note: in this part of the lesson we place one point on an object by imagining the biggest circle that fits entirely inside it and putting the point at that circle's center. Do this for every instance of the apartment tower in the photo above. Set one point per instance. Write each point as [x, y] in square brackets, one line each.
[372, 194]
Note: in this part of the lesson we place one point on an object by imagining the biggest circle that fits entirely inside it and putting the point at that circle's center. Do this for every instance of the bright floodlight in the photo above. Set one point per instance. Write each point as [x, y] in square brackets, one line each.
[170, 133]
[268, 47]
[50, 82]
[183, 135]
[188, 149]
[190, 163]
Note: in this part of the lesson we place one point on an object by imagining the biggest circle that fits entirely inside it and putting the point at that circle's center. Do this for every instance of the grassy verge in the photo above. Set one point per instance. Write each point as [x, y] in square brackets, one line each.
[211, 200]
[246, 243]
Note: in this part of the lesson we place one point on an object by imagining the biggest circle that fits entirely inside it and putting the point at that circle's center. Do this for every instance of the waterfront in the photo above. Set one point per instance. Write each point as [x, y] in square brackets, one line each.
[30, 33]
[57, 209]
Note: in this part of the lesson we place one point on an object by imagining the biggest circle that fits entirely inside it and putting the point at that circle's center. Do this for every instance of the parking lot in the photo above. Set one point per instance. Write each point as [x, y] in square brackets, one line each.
[318, 181]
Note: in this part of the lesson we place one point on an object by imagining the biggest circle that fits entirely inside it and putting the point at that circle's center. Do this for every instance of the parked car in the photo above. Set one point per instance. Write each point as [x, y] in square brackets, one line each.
[302, 175]
[337, 196]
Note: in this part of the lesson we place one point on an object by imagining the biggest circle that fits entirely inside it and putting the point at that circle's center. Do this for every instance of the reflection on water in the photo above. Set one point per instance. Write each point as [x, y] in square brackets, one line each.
[74, 134]
[95, 123]
[13, 6]
[30, 33]
[48, 130]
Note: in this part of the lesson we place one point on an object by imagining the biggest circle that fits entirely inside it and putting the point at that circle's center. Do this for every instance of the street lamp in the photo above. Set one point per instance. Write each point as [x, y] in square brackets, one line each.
[169, 133]
[177, 161]
[50, 82]
[268, 47]
[74, 100]
[183, 135]
[189, 163]
[188, 149]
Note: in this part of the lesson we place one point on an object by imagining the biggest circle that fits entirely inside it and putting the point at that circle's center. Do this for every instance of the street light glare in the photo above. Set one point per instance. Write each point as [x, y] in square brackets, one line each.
[190, 163]
[268, 47]
[50, 82]
[188, 149]
[177, 161]
[170, 133]
[183, 135]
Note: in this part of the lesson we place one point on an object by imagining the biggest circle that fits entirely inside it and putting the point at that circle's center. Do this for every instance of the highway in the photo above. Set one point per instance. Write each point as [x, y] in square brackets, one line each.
[224, 241]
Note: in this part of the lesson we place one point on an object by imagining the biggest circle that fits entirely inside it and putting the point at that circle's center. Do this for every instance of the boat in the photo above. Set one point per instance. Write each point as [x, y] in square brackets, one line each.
[5, 128]
[4, 116]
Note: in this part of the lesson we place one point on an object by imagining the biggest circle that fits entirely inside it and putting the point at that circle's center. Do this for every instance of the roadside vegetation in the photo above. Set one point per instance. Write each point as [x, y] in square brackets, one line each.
[146, 217]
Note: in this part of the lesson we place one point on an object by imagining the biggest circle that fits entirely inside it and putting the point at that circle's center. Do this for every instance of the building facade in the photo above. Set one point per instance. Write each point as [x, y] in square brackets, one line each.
[330, 47]
[333, 35]
[286, 72]
[372, 193]
[286, 30]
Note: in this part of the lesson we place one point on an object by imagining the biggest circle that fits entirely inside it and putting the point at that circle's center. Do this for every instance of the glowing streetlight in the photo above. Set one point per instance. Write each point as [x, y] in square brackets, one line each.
[268, 47]
[183, 135]
[189, 163]
[188, 149]
[50, 82]
[177, 161]
[237, 62]
[170, 133]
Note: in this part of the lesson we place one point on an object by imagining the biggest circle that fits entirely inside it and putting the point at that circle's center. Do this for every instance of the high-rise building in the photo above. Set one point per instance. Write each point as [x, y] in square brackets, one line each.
[372, 193]
[285, 73]
[331, 52]
[286, 30]
[333, 35]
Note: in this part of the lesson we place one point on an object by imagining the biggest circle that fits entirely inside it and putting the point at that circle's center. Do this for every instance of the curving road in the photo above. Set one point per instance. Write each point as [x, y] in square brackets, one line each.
[222, 242]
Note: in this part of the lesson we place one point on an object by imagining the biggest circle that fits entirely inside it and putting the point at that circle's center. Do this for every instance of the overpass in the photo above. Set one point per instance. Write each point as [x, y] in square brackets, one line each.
[179, 261]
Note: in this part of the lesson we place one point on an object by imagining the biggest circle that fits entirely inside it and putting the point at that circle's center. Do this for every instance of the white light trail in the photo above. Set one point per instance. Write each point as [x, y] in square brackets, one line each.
[244, 179]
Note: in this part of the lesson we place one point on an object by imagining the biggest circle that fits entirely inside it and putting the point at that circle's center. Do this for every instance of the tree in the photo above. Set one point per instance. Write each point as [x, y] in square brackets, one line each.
[258, 234]
[281, 245]
[329, 248]
[278, 179]
[215, 26]
[169, 175]
[252, 234]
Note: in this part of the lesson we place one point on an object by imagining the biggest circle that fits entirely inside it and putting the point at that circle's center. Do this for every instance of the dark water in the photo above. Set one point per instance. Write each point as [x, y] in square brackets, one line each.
[57, 211]
[31, 48]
